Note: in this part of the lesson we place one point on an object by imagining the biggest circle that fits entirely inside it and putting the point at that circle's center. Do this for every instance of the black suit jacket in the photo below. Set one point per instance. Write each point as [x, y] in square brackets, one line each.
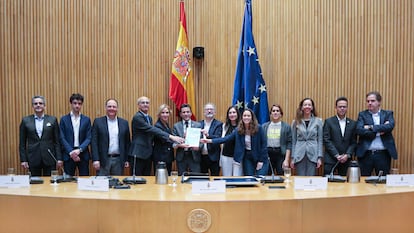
[67, 136]
[100, 139]
[366, 136]
[335, 143]
[33, 149]
[143, 136]
[163, 149]
[215, 131]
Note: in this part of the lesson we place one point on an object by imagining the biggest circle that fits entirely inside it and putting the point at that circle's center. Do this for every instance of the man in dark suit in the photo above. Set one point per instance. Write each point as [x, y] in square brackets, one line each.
[339, 137]
[110, 141]
[75, 137]
[376, 145]
[210, 153]
[188, 158]
[143, 133]
[39, 138]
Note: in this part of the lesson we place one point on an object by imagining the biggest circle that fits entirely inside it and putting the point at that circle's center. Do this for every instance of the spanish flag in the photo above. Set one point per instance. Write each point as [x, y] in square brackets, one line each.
[182, 82]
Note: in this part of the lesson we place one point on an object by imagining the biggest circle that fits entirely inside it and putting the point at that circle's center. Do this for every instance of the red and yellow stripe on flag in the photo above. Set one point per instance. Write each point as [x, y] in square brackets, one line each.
[182, 82]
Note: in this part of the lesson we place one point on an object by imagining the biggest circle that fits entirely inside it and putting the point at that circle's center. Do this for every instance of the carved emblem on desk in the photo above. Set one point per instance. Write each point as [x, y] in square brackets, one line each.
[199, 220]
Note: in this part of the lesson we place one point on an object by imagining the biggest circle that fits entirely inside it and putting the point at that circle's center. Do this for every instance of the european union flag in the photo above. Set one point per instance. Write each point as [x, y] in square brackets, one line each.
[249, 86]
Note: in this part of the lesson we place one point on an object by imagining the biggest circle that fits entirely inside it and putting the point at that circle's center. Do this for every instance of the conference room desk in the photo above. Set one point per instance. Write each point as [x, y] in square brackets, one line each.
[343, 207]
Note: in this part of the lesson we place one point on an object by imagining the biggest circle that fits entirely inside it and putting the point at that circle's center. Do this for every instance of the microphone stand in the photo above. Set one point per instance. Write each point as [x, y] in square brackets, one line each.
[271, 167]
[379, 177]
[65, 178]
[133, 179]
[332, 178]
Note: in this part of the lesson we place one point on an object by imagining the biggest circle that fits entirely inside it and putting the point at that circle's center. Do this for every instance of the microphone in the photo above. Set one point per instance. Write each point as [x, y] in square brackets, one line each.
[379, 178]
[64, 177]
[271, 167]
[133, 179]
[332, 178]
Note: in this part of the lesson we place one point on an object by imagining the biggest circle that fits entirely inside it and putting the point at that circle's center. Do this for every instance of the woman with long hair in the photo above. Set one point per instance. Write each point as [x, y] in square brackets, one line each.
[307, 139]
[250, 145]
[227, 150]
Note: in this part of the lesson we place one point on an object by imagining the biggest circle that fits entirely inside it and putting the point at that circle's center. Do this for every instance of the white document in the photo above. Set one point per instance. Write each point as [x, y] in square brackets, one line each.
[192, 137]
[200, 187]
[400, 180]
[15, 181]
[311, 183]
[93, 184]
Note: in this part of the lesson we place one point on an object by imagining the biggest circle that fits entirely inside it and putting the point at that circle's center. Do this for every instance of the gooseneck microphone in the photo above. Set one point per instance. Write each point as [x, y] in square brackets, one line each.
[134, 179]
[271, 167]
[331, 174]
[379, 177]
[54, 158]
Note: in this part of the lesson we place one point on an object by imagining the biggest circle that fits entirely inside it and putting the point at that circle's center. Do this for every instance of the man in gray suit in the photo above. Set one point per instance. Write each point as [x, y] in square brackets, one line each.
[39, 140]
[110, 141]
[339, 137]
[143, 133]
[188, 159]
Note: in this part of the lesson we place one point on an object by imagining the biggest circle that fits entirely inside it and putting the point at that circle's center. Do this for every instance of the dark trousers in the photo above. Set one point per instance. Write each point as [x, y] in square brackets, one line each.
[375, 160]
[276, 158]
[208, 165]
[70, 167]
[142, 166]
[188, 164]
[41, 170]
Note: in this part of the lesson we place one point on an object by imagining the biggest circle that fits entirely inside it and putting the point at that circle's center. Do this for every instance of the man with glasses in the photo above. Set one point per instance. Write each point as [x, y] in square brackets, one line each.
[339, 137]
[75, 137]
[39, 140]
[143, 133]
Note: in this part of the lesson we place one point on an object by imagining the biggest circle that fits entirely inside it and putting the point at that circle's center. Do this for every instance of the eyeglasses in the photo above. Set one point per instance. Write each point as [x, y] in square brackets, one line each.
[38, 103]
[144, 102]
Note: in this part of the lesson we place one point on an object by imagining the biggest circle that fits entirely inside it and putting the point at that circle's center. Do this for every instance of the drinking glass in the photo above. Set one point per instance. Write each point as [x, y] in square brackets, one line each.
[174, 176]
[11, 171]
[54, 176]
[394, 171]
[287, 172]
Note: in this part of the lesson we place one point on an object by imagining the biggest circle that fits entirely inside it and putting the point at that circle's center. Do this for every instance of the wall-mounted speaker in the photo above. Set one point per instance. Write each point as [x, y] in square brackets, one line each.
[198, 52]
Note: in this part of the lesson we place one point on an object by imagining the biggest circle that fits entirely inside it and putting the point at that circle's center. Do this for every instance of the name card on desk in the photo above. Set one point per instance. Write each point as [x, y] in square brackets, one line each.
[311, 183]
[15, 181]
[201, 187]
[93, 184]
[400, 180]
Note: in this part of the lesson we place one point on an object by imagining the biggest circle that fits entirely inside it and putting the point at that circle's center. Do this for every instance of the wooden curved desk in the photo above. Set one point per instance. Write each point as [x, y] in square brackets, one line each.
[161, 208]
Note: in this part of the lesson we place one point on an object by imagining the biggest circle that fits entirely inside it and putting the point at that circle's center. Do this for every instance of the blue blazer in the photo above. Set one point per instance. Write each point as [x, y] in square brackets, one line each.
[366, 136]
[100, 139]
[259, 145]
[67, 137]
[215, 131]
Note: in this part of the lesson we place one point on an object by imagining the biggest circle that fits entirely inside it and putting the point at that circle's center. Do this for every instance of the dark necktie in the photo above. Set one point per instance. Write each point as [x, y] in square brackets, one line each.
[186, 124]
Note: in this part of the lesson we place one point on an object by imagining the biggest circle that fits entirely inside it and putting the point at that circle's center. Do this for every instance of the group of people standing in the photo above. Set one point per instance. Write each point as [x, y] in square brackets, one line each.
[239, 146]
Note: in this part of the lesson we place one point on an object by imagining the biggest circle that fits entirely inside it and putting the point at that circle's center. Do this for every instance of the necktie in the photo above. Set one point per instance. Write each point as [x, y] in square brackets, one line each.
[148, 120]
[186, 124]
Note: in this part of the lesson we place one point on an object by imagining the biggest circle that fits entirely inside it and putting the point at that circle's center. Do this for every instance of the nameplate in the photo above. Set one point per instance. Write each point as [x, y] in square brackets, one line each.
[15, 181]
[92, 184]
[400, 180]
[311, 183]
[202, 187]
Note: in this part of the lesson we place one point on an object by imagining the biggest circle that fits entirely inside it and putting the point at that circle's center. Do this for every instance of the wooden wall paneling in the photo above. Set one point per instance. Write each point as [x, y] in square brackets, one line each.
[124, 49]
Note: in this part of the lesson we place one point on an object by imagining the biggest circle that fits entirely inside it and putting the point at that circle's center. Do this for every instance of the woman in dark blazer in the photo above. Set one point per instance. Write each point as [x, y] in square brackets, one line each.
[279, 139]
[163, 149]
[250, 145]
